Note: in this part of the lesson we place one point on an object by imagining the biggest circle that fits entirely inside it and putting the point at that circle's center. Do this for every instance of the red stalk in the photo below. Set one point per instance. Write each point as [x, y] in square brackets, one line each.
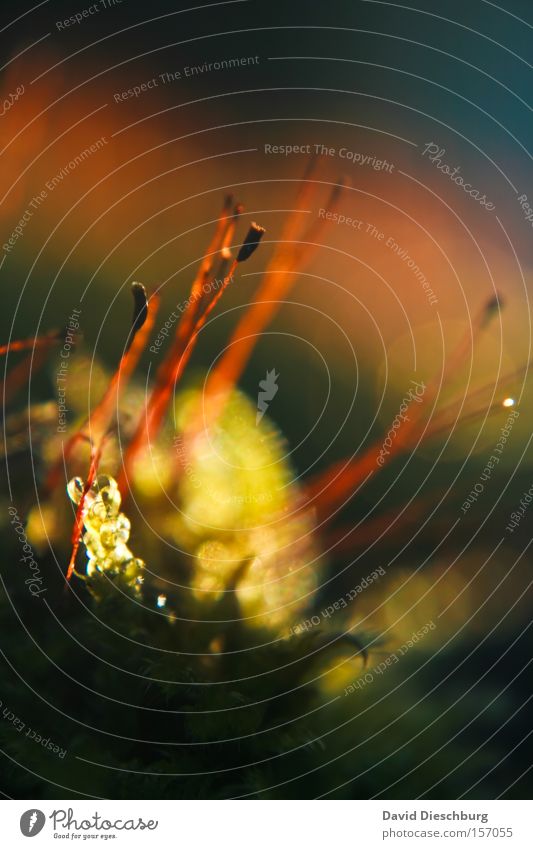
[330, 489]
[96, 427]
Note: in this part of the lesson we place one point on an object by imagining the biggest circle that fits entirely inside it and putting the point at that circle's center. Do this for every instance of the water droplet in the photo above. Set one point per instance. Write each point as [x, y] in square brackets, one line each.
[75, 490]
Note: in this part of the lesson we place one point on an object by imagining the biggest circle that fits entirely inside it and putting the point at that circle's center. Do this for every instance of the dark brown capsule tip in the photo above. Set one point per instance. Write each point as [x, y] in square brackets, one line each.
[140, 309]
[253, 237]
[492, 307]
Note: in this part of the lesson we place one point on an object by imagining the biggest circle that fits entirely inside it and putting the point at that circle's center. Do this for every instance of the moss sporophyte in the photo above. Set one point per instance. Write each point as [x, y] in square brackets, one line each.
[183, 497]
